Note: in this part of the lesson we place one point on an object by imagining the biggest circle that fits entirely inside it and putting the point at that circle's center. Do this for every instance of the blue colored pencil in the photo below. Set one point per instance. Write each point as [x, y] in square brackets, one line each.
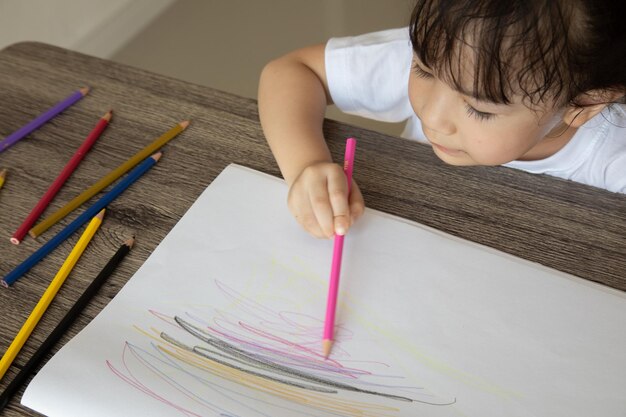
[42, 118]
[80, 220]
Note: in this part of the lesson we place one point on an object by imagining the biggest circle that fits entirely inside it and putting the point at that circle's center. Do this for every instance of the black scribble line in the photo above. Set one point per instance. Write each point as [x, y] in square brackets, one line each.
[198, 351]
[231, 352]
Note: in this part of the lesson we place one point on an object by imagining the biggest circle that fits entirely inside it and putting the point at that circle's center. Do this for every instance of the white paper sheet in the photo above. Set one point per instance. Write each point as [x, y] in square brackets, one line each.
[428, 325]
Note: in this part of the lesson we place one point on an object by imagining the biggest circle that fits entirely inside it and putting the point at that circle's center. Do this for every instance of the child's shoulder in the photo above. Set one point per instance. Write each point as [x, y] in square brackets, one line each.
[596, 154]
[614, 118]
[610, 156]
[606, 130]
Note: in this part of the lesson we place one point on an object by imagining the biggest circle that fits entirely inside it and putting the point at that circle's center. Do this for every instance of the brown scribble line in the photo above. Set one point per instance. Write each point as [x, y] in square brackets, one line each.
[310, 399]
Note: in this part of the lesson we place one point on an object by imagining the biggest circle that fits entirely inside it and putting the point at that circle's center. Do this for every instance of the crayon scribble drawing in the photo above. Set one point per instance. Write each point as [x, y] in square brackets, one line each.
[270, 352]
[258, 355]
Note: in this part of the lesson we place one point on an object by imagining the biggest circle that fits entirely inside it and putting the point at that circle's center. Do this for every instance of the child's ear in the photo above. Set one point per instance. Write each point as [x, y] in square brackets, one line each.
[588, 105]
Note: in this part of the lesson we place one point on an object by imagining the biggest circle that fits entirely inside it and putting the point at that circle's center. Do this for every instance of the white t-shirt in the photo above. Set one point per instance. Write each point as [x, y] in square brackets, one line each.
[368, 75]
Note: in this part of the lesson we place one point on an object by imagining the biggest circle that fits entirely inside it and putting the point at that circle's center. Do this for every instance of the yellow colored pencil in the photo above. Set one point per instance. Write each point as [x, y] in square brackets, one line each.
[49, 294]
[107, 179]
[3, 175]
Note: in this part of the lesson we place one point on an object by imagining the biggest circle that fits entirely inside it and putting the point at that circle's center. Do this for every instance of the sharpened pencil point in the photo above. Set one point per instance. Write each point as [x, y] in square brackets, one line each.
[130, 242]
[100, 214]
[84, 91]
[327, 346]
[184, 124]
[107, 115]
[157, 156]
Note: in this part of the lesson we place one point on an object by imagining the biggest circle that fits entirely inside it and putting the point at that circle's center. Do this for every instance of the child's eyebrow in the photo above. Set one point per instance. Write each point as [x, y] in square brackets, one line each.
[476, 96]
[460, 89]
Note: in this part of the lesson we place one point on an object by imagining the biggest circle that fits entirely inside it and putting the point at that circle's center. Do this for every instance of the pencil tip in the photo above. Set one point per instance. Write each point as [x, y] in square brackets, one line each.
[107, 115]
[130, 242]
[84, 90]
[3, 173]
[327, 345]
[4, 284]
[100, 215]
[157, 156]
[184, 124]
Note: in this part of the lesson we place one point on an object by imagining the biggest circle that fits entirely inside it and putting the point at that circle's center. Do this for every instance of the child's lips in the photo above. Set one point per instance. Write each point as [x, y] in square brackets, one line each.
[448, 151]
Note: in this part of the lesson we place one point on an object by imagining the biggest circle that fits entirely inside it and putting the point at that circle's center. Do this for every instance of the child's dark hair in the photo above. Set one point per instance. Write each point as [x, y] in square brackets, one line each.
[558, 49]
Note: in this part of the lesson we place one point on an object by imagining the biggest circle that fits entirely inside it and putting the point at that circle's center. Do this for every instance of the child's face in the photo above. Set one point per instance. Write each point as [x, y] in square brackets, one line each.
[466, 131]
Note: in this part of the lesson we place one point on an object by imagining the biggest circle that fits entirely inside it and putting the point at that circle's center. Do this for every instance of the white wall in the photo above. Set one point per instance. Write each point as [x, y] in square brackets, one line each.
[225, 43]
[95, 27]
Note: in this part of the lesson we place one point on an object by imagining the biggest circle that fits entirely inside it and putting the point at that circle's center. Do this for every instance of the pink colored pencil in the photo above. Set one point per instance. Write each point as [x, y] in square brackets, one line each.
[335, 270]
[60, 180]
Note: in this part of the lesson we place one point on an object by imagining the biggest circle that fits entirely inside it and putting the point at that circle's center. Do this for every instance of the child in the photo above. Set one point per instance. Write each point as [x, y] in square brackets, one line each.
[534, 85]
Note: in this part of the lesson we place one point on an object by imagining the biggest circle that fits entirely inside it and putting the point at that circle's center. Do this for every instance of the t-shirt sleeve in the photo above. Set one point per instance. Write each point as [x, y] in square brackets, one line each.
[368, 75]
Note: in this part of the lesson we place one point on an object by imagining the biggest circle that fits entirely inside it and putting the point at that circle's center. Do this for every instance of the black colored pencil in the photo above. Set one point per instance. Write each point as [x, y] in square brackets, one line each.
[65, 323]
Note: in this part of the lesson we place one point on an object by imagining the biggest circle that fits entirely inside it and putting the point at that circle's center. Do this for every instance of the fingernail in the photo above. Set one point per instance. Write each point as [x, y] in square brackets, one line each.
[340, 230]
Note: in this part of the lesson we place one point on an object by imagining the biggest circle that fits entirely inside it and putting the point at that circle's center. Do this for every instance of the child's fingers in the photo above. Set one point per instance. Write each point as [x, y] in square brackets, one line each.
[322, 209]
[309, 222]
[319, 202]
[338, 196]
[300, 207]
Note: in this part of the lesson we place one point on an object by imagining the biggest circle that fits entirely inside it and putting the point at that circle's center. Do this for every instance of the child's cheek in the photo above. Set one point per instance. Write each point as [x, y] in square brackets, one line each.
[484, 151]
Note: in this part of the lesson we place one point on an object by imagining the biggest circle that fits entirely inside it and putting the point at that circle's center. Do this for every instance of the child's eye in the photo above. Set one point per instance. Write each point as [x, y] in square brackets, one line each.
[420, 72]
[479, 115]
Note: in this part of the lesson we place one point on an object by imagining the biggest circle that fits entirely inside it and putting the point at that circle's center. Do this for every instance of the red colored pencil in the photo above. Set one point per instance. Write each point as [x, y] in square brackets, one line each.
[60, 180]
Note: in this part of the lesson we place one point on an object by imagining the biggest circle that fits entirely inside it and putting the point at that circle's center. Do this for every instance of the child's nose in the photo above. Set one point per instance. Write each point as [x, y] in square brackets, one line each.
[437, 109]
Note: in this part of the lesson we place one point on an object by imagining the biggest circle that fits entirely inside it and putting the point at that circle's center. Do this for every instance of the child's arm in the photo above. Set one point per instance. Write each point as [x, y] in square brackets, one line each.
[293, 95]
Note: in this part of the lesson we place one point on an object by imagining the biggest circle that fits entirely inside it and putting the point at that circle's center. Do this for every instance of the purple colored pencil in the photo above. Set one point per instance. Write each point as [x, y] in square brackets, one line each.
[42, 118]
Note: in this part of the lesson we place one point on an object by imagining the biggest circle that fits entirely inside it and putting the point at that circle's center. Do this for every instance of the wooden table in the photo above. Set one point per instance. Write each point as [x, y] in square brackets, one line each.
[567, 226]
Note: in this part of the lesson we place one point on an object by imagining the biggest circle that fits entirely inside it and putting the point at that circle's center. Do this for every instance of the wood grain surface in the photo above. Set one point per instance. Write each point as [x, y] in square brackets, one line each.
[567, 226]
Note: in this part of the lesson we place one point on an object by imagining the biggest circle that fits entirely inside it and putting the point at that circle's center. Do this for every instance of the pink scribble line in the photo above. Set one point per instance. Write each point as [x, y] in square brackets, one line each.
[133, 381]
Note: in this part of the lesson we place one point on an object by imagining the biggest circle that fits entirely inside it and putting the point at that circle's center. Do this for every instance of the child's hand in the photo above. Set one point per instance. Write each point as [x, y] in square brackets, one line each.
[318, 199]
